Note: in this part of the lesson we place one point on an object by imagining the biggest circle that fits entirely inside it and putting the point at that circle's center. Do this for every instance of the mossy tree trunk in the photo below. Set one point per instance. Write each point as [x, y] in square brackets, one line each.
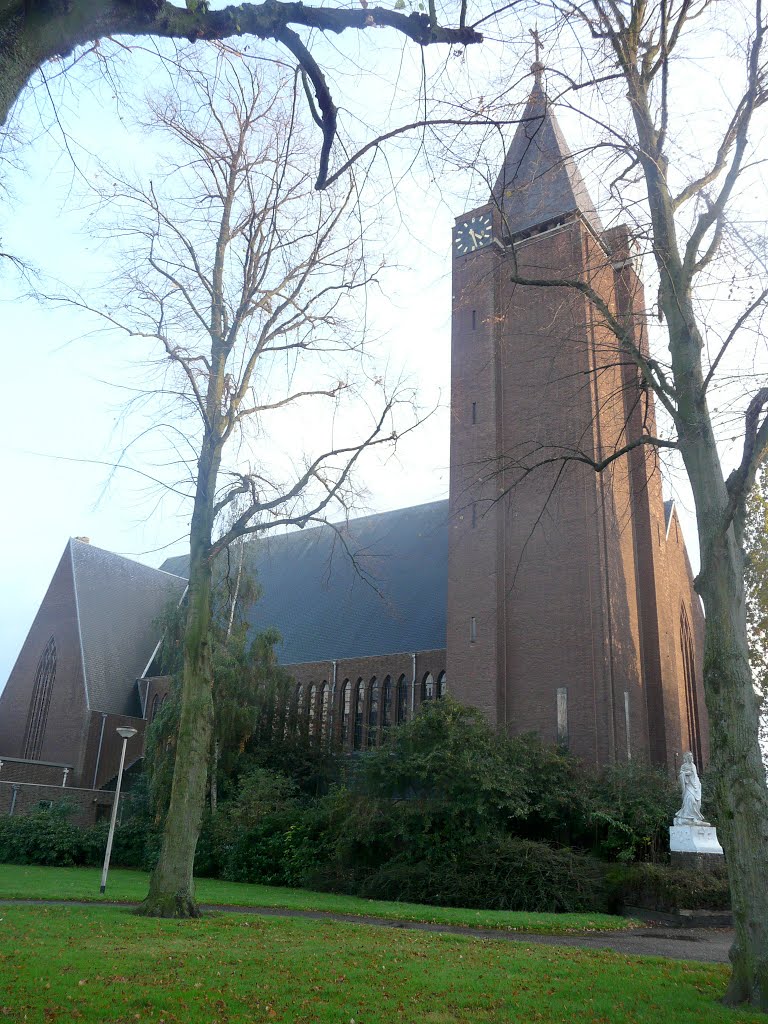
[741, 794]
[171, 891]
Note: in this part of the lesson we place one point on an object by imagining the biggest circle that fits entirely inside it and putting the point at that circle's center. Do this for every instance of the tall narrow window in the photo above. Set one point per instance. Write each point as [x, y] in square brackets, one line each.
[386, 703]
[428, 687]
[37, 719]
[402, 700]
[442, 688]
[474, 319]
[562, 716]
[627, 723]
[359, 711]
[474, 412]
[312, 709]
[472, 629]
[689, 681]
[298, 709]
[474, 514]
[155, 707]
[373, 713]
[324, 695]
[346, 708]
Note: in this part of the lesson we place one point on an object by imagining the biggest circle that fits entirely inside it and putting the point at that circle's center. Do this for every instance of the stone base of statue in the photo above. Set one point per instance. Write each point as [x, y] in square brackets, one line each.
[695, 846]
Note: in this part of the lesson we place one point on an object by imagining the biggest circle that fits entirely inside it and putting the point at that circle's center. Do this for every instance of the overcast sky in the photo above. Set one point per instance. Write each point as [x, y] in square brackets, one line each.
[65, 384]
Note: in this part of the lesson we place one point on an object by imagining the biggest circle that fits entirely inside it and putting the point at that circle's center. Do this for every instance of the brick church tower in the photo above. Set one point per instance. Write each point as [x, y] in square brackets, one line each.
[571, 609]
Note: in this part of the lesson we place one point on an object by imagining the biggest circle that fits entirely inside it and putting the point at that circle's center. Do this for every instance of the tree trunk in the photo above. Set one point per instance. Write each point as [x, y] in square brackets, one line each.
[171, 889]
[215, 777]
[741, 795]
[736, 763]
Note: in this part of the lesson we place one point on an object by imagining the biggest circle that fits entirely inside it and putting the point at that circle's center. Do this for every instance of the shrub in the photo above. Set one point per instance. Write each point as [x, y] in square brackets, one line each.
[666, 888]
[45, 837]
[631, 807]
[501, 873]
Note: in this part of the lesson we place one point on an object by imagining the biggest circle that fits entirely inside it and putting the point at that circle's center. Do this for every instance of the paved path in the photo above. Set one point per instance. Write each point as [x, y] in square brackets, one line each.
[709, 945]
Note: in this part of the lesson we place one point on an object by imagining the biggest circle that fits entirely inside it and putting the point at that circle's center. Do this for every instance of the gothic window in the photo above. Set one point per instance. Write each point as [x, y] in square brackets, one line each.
[312, 709]
[401, 709]
[373, 713]
[689, 681]
[359, 709]
[41, 702]
[324, 705]
[155, 707]
[428, 687]
[298, 705]
[386, 703]
[346, 707]
[442, 687]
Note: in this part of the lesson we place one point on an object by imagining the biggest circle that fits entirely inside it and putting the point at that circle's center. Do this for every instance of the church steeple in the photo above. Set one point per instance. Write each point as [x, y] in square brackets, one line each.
[539, 182]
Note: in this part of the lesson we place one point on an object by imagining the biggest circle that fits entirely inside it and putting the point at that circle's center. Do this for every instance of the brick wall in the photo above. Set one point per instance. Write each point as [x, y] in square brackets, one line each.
[40, 772]
[88, 804]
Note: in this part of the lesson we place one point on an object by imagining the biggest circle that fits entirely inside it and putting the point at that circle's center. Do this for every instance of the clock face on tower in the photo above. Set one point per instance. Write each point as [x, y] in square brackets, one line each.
[472, 233]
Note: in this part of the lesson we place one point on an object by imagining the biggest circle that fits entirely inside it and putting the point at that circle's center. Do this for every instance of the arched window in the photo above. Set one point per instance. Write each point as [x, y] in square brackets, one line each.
[155, 707]
[359, 708]
[312, 709]
[689, 680]
[373, 713]
[298, 707]
[428, 687]
[442, 688]
[325, 695]
[346, 708]
[386, 703]
[41, 702]
[401, 709]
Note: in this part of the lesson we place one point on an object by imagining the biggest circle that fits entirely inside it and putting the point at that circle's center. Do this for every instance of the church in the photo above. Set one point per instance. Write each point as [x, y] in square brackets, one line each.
[554, 598]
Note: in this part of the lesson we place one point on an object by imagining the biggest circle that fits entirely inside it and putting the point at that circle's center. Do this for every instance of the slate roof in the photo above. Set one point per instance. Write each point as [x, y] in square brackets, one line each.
[325, 608]
[539, 181]
[118, 601]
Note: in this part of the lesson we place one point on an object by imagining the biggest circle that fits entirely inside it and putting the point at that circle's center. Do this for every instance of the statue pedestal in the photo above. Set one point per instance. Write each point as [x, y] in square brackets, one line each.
[694, 846]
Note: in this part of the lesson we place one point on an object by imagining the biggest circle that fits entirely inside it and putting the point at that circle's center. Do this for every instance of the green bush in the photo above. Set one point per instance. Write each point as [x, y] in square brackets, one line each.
[630, 808]
[501, 873]
[666, 888]
[45, 837]
[49, 838]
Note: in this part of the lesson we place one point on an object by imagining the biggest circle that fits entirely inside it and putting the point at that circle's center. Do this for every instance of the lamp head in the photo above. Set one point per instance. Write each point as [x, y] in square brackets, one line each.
[126, 732]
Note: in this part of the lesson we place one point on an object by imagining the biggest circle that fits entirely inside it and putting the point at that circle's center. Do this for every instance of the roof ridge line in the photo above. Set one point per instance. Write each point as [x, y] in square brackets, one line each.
[79, 623]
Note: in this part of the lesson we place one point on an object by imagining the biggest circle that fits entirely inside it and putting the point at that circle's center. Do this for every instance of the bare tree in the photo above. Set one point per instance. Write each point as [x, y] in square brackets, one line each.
[30, 37]
[685, 223]
[244, 276]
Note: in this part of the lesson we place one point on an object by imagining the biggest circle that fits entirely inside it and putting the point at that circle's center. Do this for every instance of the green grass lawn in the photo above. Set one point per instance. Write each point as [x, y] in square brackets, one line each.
[97, 965]
[131, 886]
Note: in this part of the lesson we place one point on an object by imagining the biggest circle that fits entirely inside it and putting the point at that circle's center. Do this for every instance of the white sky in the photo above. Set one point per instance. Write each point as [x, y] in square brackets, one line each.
[61, 406]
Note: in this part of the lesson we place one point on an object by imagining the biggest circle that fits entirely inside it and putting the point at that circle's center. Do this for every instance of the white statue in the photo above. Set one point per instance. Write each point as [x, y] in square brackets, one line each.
[690, 784]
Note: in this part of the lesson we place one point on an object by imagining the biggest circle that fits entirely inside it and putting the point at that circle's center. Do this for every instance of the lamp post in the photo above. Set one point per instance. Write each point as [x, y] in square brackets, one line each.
[126, 732]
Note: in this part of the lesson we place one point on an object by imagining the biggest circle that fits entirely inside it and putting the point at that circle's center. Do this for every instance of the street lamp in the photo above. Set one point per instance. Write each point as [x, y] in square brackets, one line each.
[126, 732]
